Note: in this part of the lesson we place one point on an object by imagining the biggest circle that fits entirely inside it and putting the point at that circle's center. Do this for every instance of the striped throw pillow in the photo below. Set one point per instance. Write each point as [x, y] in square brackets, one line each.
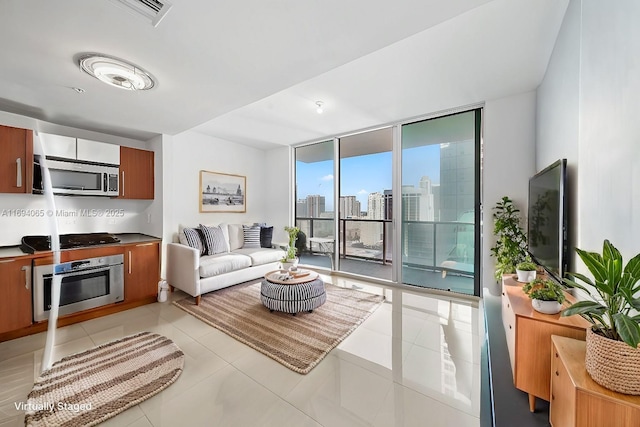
[251, 236]
[214, 241]
[193, 237]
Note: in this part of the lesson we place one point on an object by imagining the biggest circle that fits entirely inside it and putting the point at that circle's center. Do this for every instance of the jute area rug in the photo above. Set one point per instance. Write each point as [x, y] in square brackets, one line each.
[298, 342]
[88, 388]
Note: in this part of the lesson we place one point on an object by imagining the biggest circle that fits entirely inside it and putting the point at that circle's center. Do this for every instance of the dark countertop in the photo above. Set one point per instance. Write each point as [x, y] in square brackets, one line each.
[125, 239]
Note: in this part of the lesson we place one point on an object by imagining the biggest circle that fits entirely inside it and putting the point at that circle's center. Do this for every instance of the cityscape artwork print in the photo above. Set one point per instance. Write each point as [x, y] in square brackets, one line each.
[221, 192]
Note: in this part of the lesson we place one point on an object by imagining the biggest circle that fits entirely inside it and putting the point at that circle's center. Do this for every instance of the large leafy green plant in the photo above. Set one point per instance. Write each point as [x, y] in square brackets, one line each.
[615, 315]
[511, 241]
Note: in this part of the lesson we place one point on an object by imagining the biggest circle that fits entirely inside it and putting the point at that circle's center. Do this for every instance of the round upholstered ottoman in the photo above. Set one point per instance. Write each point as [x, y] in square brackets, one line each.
[292, 295]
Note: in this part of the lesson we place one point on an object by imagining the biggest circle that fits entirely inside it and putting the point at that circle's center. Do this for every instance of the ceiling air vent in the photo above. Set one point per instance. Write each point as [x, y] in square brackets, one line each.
[153, 10]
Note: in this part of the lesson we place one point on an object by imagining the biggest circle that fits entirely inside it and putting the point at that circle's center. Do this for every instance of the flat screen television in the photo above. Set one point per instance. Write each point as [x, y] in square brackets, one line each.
[547, 219]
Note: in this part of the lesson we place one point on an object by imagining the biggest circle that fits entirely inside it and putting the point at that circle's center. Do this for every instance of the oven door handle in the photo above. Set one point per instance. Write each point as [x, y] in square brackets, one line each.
[85, 271]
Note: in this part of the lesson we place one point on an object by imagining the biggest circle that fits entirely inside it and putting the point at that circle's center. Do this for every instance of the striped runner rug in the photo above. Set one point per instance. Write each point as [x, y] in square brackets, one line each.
[298, 342]
[87, 388]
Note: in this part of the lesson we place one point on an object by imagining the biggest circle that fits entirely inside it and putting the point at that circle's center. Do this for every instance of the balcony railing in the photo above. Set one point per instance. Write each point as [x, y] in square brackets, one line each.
[441, 245]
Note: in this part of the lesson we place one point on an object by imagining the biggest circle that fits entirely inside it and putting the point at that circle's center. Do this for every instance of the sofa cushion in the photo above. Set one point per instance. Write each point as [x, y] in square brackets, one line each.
[192, 237]
[214, 265]
[251, 236]
[214, 240]
[236, 236]
[260, 256]
[266, 235]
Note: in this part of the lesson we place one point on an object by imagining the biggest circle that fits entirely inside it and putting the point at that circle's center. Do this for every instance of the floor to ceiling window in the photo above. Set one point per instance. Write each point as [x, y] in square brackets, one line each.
[433, 168]
[439, 199]
[365, 231]
[314, 170]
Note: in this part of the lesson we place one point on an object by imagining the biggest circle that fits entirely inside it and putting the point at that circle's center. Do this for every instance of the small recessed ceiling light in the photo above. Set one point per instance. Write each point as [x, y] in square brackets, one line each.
[78, 89]
[116, 72]
[319, 110]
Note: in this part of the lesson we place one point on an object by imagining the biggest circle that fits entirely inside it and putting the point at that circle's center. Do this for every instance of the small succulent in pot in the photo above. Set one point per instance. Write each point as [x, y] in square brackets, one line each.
[546, 295]
[526, 271]
[526, 266]
[544, 290]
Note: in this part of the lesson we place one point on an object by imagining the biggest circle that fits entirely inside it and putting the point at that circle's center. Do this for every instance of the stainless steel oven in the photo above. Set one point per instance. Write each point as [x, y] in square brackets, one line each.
[85, 284]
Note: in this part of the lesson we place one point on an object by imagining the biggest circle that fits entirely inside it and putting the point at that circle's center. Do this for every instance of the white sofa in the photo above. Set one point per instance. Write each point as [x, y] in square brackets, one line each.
[194, 274]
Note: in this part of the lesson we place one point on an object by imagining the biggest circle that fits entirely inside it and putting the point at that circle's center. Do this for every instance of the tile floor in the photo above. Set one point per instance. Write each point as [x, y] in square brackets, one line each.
[413, 362]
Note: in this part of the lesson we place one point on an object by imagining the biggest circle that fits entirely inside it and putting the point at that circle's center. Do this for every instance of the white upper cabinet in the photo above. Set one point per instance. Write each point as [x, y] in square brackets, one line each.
[71, 148]
[57, 146]
[101, 152]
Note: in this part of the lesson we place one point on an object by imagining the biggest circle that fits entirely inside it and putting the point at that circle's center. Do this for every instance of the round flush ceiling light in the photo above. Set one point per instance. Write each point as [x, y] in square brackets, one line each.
[116, 72]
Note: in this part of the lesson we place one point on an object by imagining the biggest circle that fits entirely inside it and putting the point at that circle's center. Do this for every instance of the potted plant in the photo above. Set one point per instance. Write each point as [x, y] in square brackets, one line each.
[511, 241]
[613, 356]
[546, 295]
[289, 260]
[526, 271]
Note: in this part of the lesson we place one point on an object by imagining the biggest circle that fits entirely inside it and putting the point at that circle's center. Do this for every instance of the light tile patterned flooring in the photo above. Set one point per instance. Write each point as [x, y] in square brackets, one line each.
[413, 362]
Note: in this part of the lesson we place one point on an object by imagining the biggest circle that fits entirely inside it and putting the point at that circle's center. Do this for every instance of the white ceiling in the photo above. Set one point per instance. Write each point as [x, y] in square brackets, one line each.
[251, 71]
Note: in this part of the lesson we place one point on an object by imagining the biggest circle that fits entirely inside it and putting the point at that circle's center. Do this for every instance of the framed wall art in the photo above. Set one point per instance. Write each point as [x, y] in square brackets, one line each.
[222, 192]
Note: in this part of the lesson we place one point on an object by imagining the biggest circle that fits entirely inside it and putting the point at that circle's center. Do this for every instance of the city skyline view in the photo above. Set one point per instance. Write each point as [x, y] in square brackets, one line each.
[366, 174]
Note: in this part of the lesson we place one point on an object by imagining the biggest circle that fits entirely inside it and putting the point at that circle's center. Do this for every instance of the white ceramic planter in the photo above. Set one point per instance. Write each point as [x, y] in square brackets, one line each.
[526, 276]
[289, 264]
[546, 307]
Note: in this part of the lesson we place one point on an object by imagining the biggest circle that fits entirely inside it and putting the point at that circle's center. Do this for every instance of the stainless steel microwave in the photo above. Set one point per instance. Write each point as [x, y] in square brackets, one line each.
[77, 178]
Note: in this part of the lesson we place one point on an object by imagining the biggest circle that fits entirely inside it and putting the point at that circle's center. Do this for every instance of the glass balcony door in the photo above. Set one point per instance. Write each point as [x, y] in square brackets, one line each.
[365, 234]
[439, 202]
[315, 207]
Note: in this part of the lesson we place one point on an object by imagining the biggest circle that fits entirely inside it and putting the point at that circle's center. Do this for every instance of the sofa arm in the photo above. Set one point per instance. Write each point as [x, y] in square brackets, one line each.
[183, 263]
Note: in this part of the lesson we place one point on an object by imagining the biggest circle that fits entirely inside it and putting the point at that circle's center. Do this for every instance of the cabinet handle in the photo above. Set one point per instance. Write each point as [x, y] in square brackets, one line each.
[129, 262]
[122, 186]
[144, 244]
[27, 276]
[18, 172]
[556, 354]
[6, 260]
[557, 374]
[509, 326]
[553, 397]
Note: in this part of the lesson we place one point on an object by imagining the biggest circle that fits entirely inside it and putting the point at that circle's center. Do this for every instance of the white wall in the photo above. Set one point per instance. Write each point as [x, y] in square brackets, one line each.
[607, 161]
[279, 203]
[191, 152]
[12, 227]
[508, 162]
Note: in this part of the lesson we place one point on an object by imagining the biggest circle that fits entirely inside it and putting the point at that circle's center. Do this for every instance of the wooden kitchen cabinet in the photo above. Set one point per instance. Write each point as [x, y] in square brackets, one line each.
[15, 303]
[16, 160]
[528, 334]
[141, 271]
[136, 173]
[577, 400]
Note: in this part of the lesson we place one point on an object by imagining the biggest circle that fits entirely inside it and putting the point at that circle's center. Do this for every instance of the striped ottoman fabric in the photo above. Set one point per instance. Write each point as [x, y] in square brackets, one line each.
[293, 298]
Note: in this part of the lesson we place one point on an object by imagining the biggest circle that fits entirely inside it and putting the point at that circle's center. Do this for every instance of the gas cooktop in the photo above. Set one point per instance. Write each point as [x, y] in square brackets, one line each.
[32, 244]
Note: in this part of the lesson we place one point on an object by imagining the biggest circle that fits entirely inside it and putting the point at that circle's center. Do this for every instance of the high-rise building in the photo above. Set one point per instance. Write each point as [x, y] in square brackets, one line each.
[457, 179]
[349, 207]
[417, 203]
[375, 206]
[388, 204]
[301, 208]
[315, 205]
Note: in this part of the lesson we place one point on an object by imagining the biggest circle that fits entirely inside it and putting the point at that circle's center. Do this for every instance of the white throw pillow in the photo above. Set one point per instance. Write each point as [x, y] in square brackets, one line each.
[236, 236]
